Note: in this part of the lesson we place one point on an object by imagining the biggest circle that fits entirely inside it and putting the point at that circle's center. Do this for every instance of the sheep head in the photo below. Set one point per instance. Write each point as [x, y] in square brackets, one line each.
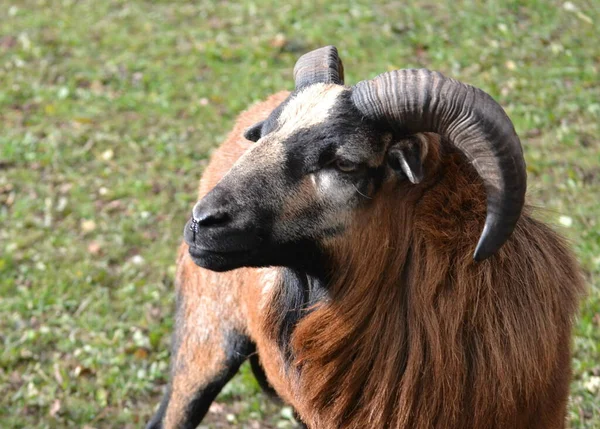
[327, 150]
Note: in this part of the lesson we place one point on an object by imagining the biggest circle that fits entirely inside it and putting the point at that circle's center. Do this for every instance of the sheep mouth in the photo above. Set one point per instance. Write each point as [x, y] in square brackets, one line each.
[199, 252]
[220, 260]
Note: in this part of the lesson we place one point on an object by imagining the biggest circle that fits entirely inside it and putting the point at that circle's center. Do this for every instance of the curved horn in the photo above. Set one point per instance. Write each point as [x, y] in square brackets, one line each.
[421, 100]
[320, 65]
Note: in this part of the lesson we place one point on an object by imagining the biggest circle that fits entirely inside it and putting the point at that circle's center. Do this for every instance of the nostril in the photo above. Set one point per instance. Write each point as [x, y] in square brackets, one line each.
[211, 218]
[208, 216]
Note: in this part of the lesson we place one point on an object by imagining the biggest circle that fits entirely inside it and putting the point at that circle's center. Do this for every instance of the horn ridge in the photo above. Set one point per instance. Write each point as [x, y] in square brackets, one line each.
[419, 100]
[322, 65]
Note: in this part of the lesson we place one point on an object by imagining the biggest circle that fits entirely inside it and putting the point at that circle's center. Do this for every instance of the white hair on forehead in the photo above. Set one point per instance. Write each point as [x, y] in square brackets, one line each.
[309, 107]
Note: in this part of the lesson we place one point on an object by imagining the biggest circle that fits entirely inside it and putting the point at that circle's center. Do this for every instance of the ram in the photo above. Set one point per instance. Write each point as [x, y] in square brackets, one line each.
[369, 249]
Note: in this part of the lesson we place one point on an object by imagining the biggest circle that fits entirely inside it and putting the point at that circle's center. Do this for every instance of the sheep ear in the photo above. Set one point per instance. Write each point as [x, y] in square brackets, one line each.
[405, 156]
[254, 133]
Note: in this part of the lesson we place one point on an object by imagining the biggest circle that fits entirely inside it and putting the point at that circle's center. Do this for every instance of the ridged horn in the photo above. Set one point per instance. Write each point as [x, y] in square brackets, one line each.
[424, 101]
[321, 65]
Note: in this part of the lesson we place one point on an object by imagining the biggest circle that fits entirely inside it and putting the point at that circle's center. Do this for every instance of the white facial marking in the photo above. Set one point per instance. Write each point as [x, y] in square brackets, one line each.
[325, 181]
[329, 189]
[309, 107]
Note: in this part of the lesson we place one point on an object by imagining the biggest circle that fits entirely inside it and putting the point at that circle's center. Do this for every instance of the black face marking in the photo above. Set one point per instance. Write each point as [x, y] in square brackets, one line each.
[310, 149]
[372, 181]
[260, 250]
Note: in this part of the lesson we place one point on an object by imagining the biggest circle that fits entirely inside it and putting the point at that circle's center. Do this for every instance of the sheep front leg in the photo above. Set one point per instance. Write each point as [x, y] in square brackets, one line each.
[208, 348]
[196, 380]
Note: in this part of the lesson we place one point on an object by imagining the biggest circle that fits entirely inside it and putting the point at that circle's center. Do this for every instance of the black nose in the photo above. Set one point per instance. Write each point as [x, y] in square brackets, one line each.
[207, 215]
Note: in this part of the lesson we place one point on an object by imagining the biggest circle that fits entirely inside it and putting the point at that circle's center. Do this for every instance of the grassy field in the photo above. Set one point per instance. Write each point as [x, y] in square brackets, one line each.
[109, 111]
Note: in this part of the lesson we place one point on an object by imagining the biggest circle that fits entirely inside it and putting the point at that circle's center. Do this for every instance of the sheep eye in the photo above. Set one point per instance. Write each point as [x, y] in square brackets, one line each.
[346, 166]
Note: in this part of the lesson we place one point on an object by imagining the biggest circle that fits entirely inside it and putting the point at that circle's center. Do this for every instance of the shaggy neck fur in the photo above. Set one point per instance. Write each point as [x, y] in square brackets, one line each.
[414, 334]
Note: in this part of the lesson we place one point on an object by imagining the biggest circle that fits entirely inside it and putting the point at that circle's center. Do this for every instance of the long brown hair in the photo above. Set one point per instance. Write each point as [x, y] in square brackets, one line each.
[417, 335]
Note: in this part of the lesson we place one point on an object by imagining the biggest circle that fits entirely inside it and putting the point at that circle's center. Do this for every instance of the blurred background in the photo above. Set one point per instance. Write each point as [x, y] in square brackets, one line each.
[109, 111]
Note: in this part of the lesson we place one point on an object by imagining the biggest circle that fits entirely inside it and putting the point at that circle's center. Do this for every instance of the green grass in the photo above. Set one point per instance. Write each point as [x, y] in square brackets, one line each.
[109, 110]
